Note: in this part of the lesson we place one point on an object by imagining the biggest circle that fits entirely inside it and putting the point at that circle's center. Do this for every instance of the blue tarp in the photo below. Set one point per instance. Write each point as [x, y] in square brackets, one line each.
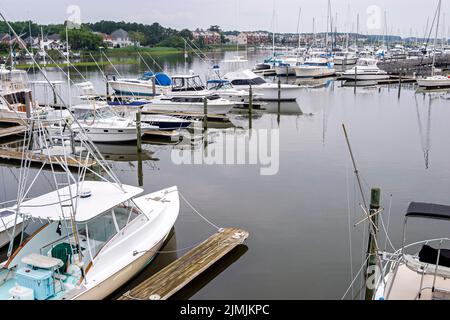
[161, 78]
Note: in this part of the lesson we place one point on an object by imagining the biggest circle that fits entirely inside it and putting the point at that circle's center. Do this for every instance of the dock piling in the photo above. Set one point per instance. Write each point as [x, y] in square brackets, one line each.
[250, 106]
[372, 252]
[138, 132]
[205, 113]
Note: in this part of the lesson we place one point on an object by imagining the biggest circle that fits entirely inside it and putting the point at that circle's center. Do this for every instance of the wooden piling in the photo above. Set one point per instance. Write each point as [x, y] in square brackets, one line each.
[279, 95]
[154, 86]
[205, 113]
[250, 106]
[179, 273]
[399, 84]
[356, 78]
[138, 132]
[372, 246]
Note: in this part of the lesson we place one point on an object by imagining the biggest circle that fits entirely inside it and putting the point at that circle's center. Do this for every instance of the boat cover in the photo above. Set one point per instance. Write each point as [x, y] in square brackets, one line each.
[161, 79]
[429, 255]
[428, 211]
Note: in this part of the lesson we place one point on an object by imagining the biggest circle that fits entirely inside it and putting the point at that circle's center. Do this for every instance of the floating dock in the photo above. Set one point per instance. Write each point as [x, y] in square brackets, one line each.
[11, 154]
[179, 273]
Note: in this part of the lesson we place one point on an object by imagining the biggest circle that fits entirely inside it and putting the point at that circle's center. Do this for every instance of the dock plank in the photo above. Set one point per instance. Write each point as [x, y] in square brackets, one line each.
[15, 154]
[179, 273]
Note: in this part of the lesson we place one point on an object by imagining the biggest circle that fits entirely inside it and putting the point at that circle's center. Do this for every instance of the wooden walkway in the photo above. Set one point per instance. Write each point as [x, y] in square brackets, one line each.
[10, 154]
[179, 273]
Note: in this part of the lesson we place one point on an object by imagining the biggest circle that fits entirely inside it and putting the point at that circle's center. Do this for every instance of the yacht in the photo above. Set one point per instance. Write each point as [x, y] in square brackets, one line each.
[287, 65]
[365, 69]
[101, 124]
[150, 84]
[268, 91]
[345, 58]
[225, 89]
[315, 67]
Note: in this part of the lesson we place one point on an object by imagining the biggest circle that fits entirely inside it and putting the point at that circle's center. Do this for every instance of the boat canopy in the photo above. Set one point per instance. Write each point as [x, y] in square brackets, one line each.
[95, 198]
[161, 79]
[428, 211]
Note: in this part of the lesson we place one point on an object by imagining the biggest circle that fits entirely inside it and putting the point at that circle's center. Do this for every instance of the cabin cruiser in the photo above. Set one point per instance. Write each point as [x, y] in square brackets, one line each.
[419, 270]
[224, 89]
[150, 84]
[345, 58]
[16, 95]
[269, 91]
[101, 124]
[190, 103]
[315, 67]
[365, 69]
[287, 65]
[115, 232]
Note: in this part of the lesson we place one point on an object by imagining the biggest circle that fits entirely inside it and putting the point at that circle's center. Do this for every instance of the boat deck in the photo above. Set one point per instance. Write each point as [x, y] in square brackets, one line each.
[179, 273]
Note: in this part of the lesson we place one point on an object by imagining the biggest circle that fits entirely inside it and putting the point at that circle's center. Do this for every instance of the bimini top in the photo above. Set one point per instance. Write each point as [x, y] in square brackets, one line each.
[161, 79]
[95, 198]
[428, 211]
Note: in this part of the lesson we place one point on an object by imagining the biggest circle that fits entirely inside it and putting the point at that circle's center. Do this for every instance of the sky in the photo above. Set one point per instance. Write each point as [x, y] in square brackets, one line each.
[403, 17]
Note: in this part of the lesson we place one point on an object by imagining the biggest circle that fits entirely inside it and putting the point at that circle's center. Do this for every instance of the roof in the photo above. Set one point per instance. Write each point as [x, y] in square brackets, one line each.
[120, 33]
[428, 211]
[104, 197]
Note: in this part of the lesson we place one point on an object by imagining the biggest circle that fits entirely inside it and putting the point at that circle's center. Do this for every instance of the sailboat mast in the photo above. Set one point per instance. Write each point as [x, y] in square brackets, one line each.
[435, 38]
[273, 30]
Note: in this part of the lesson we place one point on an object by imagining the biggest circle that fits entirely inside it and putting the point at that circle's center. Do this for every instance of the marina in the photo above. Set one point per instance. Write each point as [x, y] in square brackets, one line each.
[287, 166]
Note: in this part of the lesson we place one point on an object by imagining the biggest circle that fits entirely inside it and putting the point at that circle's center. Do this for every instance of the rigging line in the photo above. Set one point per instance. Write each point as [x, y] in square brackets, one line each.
[349, 222]
[196, 211]
[354, 279]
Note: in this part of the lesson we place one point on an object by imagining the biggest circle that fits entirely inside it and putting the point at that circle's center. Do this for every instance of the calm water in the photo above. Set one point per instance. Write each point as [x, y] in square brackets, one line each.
[299, 218]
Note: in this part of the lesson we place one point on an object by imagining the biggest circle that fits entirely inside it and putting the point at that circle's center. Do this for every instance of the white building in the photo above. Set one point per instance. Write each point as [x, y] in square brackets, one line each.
[121, 39]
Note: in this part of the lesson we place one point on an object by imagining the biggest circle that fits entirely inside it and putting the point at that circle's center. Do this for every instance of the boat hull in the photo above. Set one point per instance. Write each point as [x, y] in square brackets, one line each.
[4, 237]
[108, 134]
[426, 83]
[285, 71]
[213, 108]
[314, 72]
[132, 89]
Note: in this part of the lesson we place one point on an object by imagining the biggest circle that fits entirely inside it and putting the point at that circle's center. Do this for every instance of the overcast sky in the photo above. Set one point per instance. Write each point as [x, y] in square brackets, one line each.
[404, 17]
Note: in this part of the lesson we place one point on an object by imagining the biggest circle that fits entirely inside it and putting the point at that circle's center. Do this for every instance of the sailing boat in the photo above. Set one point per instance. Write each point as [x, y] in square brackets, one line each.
[435, 81]
[418, 276]
[95, 235]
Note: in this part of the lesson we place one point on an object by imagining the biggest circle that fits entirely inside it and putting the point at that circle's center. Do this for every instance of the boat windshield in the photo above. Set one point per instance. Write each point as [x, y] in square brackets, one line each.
[246, 82]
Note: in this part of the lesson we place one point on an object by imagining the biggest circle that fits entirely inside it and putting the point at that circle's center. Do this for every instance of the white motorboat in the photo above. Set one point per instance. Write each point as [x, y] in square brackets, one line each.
[436, 81]
[315, 67]
[115, 234]
[269, 91]
[190, 103]
[365, 69]
[287, 65]
[345, 58]
[101, 124]
[224, 89]
[418, 270]
[150, 84]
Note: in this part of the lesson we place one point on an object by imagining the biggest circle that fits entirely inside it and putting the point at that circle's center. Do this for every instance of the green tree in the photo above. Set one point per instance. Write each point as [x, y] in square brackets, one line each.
[82, 39]
[172, 42]
[137, 36]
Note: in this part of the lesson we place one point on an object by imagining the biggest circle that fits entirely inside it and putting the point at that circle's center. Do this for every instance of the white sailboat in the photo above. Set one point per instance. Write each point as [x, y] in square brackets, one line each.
[315, 67]
[418, 270]
[365, 69]
[435, 81]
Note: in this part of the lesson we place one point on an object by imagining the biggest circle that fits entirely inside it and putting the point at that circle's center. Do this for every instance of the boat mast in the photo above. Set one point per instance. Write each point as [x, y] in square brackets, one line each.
[435, 38]
[298, 31]
[273, 30]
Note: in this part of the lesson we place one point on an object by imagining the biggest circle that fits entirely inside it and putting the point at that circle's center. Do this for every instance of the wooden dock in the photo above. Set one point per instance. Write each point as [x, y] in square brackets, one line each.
[10, 154]
[179, 273]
